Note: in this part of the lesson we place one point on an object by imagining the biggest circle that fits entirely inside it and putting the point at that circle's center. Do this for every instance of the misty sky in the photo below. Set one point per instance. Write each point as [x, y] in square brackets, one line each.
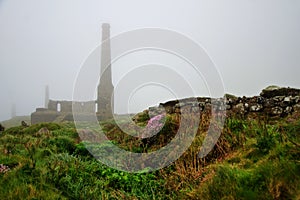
[253, 43]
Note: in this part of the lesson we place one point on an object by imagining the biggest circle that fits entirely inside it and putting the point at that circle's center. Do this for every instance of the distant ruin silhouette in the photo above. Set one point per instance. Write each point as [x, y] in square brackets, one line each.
[57, 111]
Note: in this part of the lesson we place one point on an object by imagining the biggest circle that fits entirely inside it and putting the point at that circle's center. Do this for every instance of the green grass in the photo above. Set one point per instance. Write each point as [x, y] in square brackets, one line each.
[57, 166]
[253, 159]
[16, 121]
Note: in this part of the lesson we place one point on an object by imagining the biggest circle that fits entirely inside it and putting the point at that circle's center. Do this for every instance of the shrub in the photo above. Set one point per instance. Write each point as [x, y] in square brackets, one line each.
[81, 150]
[63, 144]
[266, 138]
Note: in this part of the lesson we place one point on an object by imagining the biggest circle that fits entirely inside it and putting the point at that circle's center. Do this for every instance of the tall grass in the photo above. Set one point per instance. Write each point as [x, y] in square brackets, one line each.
[253, 159]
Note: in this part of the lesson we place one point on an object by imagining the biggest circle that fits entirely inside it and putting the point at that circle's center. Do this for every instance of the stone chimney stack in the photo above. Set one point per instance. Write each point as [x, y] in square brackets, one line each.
[13, 110]
[105, 98]
[46, 96]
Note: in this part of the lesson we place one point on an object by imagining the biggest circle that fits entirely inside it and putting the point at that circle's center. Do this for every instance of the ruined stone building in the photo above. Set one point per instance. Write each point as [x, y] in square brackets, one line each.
[57, 111]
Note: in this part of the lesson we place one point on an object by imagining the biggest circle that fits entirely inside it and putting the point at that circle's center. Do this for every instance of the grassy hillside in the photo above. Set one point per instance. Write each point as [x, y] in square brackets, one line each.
[253, 159]
[16, 121]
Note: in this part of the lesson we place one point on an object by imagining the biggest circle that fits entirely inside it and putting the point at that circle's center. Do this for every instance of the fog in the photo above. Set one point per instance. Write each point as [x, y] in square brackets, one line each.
[252, 43]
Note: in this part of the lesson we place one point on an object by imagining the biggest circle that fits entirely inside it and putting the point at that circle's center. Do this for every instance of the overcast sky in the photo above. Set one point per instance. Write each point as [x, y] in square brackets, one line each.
[253, 43]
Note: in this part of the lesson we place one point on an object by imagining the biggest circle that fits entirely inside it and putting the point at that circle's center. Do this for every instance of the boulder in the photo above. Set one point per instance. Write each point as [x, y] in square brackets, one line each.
[273, 91]
[1, 128]
[23, 123]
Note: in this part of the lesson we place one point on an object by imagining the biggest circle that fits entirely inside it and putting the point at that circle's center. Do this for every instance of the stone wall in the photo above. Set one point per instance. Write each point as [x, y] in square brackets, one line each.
[273, 101]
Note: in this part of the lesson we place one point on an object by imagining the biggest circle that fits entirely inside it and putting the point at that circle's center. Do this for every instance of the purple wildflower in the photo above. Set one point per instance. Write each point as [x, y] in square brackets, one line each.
[4, 168]
[154, 125]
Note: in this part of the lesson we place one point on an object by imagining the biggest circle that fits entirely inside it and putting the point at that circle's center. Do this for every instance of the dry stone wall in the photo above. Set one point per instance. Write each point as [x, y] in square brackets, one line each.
[272, 101]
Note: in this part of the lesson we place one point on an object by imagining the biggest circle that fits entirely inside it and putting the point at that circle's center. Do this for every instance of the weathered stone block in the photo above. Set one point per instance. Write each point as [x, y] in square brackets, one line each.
[296, 108]
[288, 110]
[276, 110]
[256, 108]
